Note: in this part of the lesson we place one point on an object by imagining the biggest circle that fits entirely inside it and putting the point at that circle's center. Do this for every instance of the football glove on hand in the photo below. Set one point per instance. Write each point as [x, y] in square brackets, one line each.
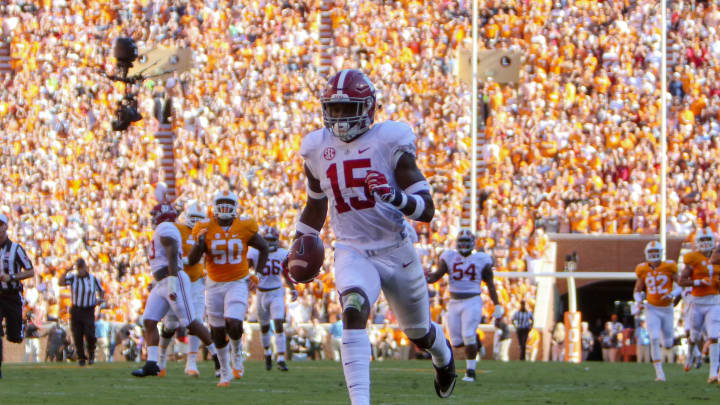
[377, 184]
[498, 312]
[293, 295]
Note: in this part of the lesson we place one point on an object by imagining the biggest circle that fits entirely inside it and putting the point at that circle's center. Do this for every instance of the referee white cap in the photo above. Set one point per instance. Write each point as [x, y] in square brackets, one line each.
[3, 219]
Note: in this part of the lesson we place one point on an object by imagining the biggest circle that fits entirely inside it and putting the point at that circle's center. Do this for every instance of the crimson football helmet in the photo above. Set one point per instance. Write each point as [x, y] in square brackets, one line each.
[163, 213]
[465, 242]
[272, 237]
[348, 104]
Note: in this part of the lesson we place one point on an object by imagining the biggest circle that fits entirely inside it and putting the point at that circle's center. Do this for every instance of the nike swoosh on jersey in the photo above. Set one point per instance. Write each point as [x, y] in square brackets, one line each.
[363, 150]
[408, 263]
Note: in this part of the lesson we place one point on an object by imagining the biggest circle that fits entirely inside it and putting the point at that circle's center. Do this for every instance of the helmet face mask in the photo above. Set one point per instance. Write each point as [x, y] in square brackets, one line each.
[191, 220]
[194, 214]
[465, 242]
[705, 240]
[348, 104]
[225, 209]
[653, 252]
[225, 205]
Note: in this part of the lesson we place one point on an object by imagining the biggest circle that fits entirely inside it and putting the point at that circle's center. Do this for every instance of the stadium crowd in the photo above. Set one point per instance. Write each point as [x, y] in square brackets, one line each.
[572, 148]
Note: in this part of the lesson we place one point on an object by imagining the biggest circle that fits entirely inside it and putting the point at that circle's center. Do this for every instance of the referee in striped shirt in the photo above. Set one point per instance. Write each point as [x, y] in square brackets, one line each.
[14, 266]
[85, 288]
[523, 321]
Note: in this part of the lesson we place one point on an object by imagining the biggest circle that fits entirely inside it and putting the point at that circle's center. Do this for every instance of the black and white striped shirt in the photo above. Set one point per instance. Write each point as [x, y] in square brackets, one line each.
[84, 289]
[522, 319]
[13, 260]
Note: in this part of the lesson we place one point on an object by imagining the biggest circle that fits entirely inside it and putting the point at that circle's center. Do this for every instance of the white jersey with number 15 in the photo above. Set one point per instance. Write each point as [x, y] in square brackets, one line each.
[357, 219]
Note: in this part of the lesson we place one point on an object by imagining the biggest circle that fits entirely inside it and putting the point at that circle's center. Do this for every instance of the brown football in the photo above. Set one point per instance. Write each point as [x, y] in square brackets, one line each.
[306, 258]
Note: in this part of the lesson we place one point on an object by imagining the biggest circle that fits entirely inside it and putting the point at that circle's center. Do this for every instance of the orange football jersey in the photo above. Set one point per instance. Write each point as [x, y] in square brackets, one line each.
[188, 242]
[700, 268]
[658, 281]
[226, 256]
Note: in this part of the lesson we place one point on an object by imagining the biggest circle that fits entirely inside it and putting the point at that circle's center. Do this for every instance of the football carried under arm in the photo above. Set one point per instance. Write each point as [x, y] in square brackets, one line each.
[412, 197]
[434, 277]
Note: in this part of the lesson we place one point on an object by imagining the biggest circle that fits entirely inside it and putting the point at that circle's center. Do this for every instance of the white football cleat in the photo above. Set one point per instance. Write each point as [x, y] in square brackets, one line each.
[238, 368]
[226, 375]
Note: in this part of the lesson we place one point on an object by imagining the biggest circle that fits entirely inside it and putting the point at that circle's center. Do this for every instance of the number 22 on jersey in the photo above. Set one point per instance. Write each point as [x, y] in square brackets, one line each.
[348, 167]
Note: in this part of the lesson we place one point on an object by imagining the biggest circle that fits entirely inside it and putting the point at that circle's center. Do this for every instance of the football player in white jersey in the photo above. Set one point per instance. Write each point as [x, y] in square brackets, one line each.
[171, 291]
[271, 296]
[193, 214]
[367, 176]
[466, 271]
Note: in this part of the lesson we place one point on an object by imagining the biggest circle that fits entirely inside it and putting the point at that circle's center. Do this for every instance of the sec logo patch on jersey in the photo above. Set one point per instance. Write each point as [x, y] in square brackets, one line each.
[329, 153]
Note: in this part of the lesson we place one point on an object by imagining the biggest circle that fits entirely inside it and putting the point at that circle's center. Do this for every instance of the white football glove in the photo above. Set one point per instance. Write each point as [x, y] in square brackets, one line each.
[498, 312]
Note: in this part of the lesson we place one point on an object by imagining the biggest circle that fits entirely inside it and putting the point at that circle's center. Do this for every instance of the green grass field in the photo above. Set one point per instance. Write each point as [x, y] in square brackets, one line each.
[393, 382]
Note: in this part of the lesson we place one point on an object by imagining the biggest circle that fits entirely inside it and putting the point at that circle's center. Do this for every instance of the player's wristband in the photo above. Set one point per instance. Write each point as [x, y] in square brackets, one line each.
[314, 194]
[638, 296]
[399, 200]
[305, 229]
[697, 283]
[419, 206]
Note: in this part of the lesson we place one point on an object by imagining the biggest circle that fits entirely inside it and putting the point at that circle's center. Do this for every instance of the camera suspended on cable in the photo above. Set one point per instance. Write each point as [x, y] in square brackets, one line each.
[131, 67]
[125, 52]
